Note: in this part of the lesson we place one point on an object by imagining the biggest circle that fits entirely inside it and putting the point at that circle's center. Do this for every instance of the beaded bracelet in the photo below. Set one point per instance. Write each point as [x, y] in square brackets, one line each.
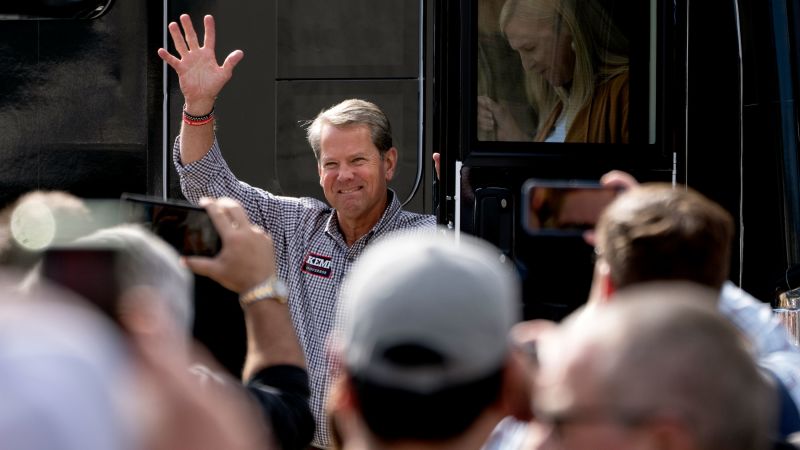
[197, 120]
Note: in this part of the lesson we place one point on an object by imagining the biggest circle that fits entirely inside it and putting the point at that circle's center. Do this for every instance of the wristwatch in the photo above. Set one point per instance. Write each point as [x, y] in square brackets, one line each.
[272, 288]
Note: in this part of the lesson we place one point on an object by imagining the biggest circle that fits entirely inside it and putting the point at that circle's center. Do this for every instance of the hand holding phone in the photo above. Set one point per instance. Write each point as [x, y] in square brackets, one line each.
[247, 257]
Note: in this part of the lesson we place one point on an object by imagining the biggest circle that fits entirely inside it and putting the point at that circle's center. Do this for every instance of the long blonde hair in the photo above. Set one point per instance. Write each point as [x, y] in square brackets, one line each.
[600, 47]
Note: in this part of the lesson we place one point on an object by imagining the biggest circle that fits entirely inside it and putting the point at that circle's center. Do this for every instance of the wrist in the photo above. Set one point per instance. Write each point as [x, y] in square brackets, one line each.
[196, 120]
[199, 107]
[271, 288]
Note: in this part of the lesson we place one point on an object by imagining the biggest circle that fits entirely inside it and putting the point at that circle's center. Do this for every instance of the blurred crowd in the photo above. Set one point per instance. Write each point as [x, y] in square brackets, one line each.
[429, 348]
[369, 328]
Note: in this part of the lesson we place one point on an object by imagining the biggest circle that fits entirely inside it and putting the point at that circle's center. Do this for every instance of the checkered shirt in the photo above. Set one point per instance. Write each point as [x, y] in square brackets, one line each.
[311, 254]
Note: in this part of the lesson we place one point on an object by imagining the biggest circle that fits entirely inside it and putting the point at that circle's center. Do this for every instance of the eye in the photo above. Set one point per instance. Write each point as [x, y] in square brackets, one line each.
[359, 160]
[330, 165]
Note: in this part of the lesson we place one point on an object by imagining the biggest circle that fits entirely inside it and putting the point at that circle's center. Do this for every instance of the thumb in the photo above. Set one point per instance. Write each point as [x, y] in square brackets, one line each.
[200, 265]
[232, 60]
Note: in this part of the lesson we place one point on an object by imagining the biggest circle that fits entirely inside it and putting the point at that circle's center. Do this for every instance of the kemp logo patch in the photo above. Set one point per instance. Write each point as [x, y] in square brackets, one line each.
[318, 265]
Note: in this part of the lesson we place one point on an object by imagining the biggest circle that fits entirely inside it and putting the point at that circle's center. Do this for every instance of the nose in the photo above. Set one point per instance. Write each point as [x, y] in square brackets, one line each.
[528, 62]
[345, 172]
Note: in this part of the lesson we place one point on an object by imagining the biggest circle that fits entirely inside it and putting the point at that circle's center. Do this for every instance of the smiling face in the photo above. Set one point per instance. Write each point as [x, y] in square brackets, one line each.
[543, 42]
[353, 175]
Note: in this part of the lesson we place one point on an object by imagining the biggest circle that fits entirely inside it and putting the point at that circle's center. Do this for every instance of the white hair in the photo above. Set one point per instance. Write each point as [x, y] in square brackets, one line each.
[146, 260]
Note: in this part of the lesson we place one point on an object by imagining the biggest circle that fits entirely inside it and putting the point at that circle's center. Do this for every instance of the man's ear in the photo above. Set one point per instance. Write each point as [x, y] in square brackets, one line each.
[607, 287]
[602, 285]
[390, 161]
[319, 172]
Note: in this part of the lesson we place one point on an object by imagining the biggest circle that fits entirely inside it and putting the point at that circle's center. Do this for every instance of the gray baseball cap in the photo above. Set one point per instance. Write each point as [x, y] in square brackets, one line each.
[423, 312]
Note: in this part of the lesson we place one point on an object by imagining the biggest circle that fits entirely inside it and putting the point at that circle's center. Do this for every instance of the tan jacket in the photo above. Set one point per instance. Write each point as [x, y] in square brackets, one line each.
[603, 120]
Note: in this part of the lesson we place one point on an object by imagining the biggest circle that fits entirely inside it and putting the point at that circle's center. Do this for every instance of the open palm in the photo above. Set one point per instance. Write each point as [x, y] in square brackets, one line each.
[199, 75]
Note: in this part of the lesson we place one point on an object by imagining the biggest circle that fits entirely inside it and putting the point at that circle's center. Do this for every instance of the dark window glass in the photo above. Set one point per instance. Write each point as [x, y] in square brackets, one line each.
[53, 9]
[353, 39]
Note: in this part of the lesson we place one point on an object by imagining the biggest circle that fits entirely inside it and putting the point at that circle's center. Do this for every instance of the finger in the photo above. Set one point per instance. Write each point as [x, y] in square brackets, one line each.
[232, 214]
[210, 38]
[531, 330]
[201, 265]
[618, 179]
[177, 38]
[188, 31]
[437, 164]
[168, 58]
[259, 230]
[486, 122]
[487, 103]
[232, 60]
[220, 220]
[236, 213]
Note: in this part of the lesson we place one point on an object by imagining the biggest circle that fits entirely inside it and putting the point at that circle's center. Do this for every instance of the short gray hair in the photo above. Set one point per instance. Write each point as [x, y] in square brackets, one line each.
[146, 260]
[352, 112]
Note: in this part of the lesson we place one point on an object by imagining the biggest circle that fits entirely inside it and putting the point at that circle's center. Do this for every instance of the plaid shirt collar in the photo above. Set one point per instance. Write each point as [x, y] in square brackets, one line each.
[332, 224]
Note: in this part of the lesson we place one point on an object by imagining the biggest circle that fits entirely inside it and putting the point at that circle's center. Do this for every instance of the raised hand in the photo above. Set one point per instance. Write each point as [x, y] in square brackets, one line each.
[495, 117]
[201, 77]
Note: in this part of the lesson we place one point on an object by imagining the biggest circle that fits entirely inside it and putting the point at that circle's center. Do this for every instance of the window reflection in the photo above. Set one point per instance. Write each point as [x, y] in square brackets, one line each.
[565, 78]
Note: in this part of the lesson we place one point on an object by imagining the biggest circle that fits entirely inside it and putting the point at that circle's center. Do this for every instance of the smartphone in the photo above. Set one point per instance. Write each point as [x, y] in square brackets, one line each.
[187, 228]
[89, 272]
[563, 207]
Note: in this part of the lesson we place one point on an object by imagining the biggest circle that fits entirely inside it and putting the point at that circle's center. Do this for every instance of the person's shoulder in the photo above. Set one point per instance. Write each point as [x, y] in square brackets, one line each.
[616, 85]
[311, 203]
[734, 297]
[410, 219]
[313, 214]
[306, 210]
[744, 310]
[619, 78]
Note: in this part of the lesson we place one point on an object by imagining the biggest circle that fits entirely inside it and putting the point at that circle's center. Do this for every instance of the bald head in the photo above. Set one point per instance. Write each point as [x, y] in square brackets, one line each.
[667, 356]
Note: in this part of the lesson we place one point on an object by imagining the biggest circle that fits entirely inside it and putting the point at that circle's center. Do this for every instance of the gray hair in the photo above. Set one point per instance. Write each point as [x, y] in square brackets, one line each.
[352, 112]
[146, 260]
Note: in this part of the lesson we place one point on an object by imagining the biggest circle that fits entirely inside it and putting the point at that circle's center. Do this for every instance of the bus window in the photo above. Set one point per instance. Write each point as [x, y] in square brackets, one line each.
[553, 71]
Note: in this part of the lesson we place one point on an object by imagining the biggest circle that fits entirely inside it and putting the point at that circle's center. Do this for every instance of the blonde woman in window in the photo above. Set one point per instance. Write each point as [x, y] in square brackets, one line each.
[576, 64]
